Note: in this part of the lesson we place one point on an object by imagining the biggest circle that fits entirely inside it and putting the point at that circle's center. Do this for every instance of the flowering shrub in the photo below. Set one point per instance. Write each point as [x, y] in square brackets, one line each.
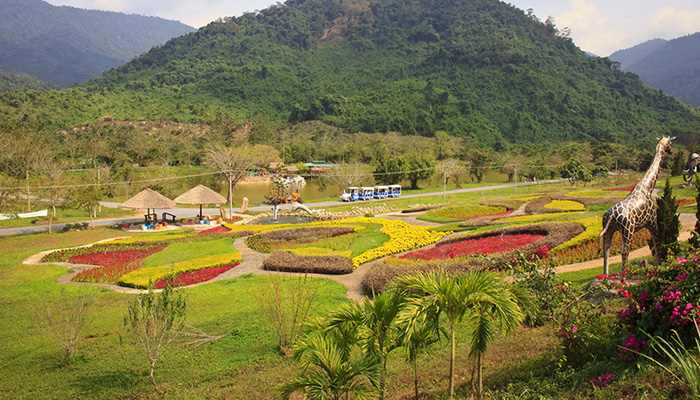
[192, 277]
[485, 245]
[666, 298]
[112, 264]
[602, 381]
[631, 347]
[578, 323]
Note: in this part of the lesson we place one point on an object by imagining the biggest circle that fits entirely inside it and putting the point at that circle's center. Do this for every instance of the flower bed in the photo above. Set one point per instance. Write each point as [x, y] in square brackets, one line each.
[565, 205]
[144, 277]
[288, 262]
[622, 188]
[66, 254]
[589, 250]
[192, 277]
[217, 229]
[485, 245]
[112, 264]
[458, 213]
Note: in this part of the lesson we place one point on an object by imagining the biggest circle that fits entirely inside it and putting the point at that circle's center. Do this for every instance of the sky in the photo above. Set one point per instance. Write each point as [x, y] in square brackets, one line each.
[597, 26]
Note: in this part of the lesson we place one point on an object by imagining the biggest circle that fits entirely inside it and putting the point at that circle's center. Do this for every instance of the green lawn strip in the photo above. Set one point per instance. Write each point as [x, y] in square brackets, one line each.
[459, 213]
[367, 239]
[108, 364]
[189, 250]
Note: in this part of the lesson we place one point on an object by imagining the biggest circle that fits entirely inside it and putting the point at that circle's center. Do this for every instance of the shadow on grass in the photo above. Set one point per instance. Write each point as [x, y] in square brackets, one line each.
[97, 383]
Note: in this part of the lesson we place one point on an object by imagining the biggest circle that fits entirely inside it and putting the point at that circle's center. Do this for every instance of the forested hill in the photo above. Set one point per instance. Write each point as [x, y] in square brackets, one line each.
[473, 68]
[673, 65]
[68, 45]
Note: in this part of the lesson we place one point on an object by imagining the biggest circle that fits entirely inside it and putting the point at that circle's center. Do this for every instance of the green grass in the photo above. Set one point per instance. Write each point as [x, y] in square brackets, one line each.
[367, 239]
[185, 251]
[108, 364]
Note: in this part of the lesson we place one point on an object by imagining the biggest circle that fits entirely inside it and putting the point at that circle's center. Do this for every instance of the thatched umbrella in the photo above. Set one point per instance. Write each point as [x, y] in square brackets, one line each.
[148, 199]
[200, 195]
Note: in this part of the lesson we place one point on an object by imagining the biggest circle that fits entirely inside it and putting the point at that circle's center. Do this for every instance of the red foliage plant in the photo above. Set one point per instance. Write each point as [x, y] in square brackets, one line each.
[628, 188]
[111, 264]
[217, 229]
[485, 245]
[192, 277]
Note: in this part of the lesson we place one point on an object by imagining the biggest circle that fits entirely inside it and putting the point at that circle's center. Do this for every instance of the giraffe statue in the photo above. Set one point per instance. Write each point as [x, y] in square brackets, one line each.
[636, 211]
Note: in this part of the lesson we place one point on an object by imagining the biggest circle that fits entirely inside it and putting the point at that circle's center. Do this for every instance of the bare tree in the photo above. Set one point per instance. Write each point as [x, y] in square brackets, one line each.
[345, 175]
[27, 155]
[156, 319]
[232, 163]
[54, 194]
[66, 322]
[286, 303]
[447, 169]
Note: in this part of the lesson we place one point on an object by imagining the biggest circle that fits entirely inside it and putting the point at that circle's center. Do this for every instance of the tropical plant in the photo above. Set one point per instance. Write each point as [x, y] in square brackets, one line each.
[329, 367]
[376, 324]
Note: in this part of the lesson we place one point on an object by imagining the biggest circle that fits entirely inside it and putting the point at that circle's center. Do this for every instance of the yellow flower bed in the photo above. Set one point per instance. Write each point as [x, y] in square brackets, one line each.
[525, 199]
[143, 277]
[566, 205]
[319, 251]
[593, 227]
[402, 237]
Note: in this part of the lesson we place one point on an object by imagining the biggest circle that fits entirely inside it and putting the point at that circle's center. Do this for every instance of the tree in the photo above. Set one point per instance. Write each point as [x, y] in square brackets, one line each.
[667, 222]
[155, 319]
[574, 171]
[285, 303]
[415, 342]
[330, 369]
[345, 175]
[478, 163]
[419, 167]
[66, 322]
[376, 324]
[232, 163]
[88, 198]
[486, 302]
[53, 171]
[678, 163]
[390, 171]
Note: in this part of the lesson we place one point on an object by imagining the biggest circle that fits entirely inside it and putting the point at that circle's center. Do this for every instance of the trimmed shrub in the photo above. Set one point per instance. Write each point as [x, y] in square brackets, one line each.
[288, 262]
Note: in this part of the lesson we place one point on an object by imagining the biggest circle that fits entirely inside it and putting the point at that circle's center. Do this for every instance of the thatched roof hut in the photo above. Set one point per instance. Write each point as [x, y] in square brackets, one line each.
[148, 199]
[200, 195]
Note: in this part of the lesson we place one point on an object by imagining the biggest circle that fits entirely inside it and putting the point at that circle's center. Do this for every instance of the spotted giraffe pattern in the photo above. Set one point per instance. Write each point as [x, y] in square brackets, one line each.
[636, 211]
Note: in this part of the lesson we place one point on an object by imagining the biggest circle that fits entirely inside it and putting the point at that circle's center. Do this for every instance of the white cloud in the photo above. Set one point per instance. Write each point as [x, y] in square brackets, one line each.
[675, 22]
[591, 28]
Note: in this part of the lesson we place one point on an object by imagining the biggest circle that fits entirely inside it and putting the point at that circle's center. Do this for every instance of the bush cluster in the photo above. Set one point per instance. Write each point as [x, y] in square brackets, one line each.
[287, 262]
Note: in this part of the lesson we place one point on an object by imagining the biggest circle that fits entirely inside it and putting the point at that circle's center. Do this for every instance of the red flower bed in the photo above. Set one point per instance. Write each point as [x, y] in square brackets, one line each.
[192, 277]
[504, 213]
[218, 229]
[620, 188]
[112, 264]
[486, 245]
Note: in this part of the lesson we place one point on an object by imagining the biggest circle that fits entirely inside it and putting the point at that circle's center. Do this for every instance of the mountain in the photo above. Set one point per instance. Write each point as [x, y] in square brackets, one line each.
[481, 69]
[673, 66]
[68, 45]
[18, 82]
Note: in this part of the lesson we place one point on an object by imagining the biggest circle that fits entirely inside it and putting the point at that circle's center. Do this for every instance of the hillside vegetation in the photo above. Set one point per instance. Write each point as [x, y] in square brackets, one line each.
[673, 66]
[66, 45]
[477, 69]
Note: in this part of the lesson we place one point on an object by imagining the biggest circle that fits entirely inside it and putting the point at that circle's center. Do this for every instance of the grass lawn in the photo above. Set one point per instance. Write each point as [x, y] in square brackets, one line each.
[68, 215]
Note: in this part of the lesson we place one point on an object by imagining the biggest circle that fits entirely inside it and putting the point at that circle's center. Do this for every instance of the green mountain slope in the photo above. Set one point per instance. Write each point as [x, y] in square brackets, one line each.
[18, 82]
[68, 45]
[673, 67]
[474, 68]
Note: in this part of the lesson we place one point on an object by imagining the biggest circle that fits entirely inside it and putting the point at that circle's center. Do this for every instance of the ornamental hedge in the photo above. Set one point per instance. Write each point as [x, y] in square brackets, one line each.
[287, 262]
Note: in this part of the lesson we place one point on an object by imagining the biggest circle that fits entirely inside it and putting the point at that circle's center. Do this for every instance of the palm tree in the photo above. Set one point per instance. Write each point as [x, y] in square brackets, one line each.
[375, 321]
[418, 341]
[485, 300]
[493, 307]
[430, 295]
[329, 370]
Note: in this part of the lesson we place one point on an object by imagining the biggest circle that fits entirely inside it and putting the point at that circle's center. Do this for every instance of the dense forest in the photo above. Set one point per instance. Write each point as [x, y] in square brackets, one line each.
[476, 69]
[66, 45]
[19, 82]
[670, 65]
